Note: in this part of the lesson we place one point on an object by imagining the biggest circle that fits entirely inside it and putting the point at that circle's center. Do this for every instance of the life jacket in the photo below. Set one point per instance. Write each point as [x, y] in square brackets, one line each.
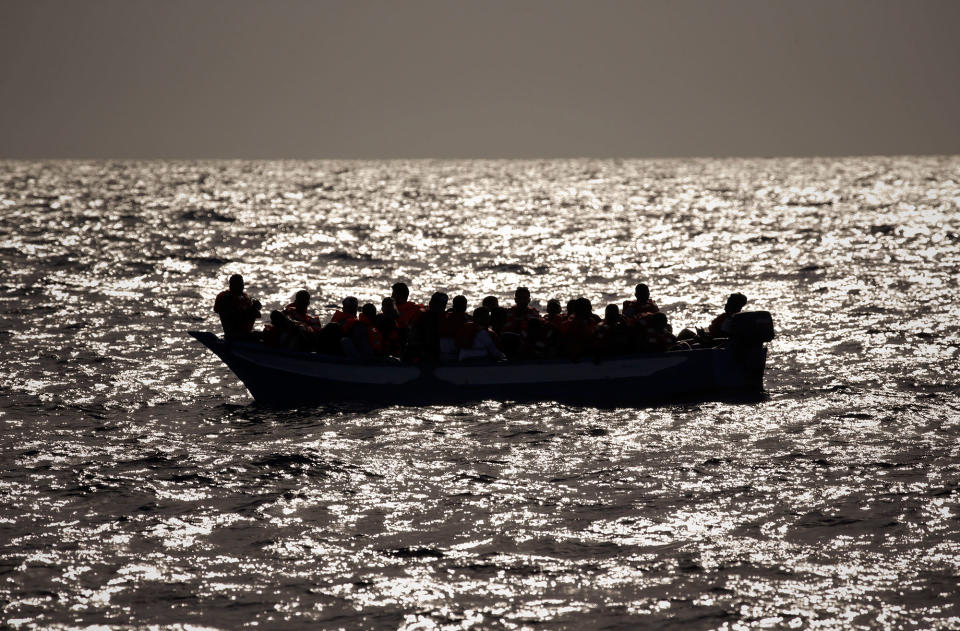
[345, 320]
[374, 336]
[451, 322]
[464, 337]
[408, 313]
[304, 318]
[517, 319]
[642, 309]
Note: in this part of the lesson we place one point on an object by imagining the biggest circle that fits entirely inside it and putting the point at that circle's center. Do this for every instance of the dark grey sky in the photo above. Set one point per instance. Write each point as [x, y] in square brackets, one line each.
[450, 78]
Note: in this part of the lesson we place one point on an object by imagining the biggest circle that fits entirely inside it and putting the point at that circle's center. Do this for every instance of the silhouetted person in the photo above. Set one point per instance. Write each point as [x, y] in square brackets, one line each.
[365, 338]
[519, 315]
[408, 311]
[475, 339]
[297, 310]
[490, 303]
[642, 306]
[237, 311]
[612, 335]
[720, 327]
[348, 313]
[658, 335]
[578, 333]
[425, 332]
[450, 325]
[386, 322]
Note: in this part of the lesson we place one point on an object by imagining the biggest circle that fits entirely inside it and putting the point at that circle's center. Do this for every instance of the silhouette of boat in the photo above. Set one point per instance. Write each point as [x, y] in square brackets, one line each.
[282, 377]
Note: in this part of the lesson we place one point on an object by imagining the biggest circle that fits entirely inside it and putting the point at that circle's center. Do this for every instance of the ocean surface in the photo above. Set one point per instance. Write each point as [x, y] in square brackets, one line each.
[141, 486]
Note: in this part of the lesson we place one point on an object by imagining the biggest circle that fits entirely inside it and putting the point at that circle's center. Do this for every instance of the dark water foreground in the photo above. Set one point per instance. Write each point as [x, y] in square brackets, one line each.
[139, 485]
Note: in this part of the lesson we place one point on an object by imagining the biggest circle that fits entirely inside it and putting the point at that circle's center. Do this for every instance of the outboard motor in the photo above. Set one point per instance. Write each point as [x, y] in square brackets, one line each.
[749, 332]
[752, 327]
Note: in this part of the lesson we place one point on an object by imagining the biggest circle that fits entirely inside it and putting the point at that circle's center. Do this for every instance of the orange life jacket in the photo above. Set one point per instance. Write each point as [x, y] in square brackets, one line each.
[374, 336]
[304, 318]
[408, 313]
[642, 309]
[518, 320]
[345, 320]
[451, 323]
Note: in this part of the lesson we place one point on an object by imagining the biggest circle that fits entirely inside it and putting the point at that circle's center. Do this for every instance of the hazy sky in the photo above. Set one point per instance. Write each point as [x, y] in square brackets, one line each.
[452, 78]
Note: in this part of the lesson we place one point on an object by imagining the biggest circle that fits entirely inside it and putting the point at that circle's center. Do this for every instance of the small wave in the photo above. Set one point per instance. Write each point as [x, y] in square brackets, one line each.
[214, 261]
[197, 214]
[514, 268]
[415, 552]
[341, 255]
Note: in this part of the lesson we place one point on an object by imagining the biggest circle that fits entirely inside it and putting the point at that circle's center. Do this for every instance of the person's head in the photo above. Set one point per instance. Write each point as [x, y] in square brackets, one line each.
[658, 320]
[629, 309]
[611, 314]
[481, 316]
[490, 303]
[236, 284]
[571, 306]
[584, 309]
[369, 310]
[388, 307]
[438, 301]
[735, 303]
[301, 300]
[460, 304]
[553, 307]
[350, 305]
[642, 292]
[400, 292]
[522, 297]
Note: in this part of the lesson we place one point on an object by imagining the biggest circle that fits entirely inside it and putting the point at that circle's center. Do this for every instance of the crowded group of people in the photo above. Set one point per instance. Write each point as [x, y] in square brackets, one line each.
[413, 332]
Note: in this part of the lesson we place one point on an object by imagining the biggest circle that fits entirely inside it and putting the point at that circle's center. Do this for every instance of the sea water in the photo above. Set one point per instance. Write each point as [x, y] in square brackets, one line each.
[140, 485]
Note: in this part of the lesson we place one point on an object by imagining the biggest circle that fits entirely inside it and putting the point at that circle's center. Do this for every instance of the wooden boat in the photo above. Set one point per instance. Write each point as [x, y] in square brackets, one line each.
[281, 377]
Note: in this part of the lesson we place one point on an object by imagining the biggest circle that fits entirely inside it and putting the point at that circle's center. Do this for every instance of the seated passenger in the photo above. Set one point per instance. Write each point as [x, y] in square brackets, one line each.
[475, 339]
[386, 323]
[451, 323]
[554, 315]
[577, 337]
[407, 311]
[362, 338]
[720, 327]
[659, 337]
[297, 310]
[237, 311]
[519, 315]
[285, 333]
[347, 314]
[642, 306]
[424, 344]
[611, 334]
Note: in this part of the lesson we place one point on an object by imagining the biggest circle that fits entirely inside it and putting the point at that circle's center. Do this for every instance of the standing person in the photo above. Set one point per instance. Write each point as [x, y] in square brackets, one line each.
[237, 311]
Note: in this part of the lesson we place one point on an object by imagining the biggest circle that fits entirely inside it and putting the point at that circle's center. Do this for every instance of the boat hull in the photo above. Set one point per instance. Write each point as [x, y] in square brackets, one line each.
[280, 377]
